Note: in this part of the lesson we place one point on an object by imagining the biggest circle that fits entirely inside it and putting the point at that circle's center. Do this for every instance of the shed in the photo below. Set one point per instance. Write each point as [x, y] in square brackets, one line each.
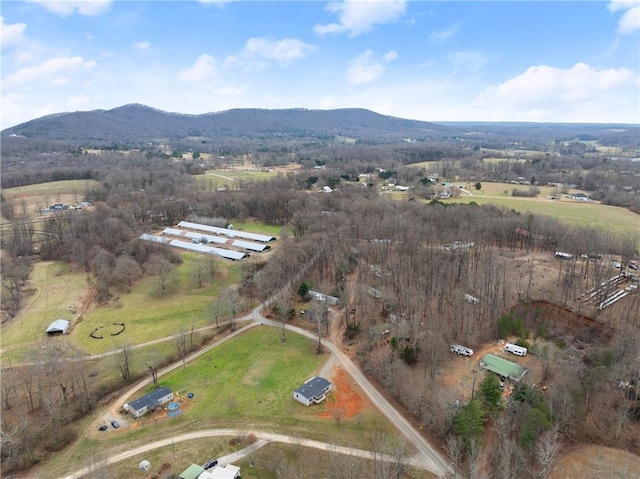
[222, 472]
[192, 472]
[314, 390]
[59, 326]
[148, 402]
[503, 367]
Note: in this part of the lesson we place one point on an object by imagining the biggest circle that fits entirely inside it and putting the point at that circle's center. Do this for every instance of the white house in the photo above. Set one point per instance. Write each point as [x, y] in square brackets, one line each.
[59, 326]
[221, 472]
[314, 390]
[148, 402]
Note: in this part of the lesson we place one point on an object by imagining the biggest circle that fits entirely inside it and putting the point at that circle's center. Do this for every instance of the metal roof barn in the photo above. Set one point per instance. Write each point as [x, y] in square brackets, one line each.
[248, 245]
[198, 248]
[503, 367]
[227, 232]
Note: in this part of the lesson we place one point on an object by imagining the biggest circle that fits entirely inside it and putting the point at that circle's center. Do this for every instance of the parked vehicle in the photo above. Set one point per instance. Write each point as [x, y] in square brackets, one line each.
[210, 463]
[515, 349]
[103, 428]
[464, 351]
[115, 424]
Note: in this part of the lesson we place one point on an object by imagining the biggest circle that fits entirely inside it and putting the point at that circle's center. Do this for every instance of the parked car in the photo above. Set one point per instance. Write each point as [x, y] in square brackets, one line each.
[456, 348]
[115, 424]
[210, 463]
[103, 428]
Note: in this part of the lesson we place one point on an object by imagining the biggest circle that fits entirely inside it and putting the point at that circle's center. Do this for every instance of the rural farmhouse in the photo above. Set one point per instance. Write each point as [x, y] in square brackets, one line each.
[313, 390]
[148, 402]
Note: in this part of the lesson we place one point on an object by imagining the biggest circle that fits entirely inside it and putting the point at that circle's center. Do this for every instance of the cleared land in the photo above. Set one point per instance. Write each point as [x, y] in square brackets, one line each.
[225, 387]
[574, 213]
[596, 462]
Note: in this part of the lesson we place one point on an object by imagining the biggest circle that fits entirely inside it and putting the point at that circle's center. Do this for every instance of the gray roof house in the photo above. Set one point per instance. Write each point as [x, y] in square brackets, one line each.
[59, 326]
[314, 390]
[148, 402]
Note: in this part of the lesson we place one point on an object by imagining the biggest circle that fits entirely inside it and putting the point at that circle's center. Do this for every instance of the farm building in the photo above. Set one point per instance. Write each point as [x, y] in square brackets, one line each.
[503, 367]
[148, 402]
[313, 390]
[221, 472]
[324, 297]
[198, 248]
[192, 472]
[230, 233]
[59, 326]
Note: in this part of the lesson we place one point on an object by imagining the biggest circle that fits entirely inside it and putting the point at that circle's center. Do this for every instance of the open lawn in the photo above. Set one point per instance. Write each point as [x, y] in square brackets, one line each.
[224, 382]
[498, 189]
[575, 213]
[57, 294]
[149, 314]
[146, 313]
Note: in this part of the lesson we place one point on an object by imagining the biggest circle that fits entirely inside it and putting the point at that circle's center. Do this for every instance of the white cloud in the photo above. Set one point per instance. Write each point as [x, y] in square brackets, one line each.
[579, 93]
[54, 71]
[390, 56]
[141, 45]
[445, 33]
[69, 7]
[358, 17]
[629, 23]
[79, 102]
[11, 35]
[259, 52]
[467, 61]
[202, 70]
[367, 68]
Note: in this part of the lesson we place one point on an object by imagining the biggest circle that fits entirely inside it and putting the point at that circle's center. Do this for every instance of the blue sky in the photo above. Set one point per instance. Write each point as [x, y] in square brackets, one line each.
[543, 61]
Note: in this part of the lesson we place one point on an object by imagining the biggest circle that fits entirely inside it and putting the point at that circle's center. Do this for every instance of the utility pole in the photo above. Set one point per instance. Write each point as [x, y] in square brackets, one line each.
[258, 390]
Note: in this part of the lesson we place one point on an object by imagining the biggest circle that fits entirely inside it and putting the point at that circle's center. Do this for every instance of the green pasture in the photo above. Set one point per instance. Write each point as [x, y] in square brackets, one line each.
[574, 213]
[225, 386]
[148, 314]
[56, 293]
[260, 228]
[51, 189]
[490, 188]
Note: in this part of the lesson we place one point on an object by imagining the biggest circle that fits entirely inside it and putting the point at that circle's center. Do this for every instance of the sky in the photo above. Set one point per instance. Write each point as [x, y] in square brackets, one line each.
[539, 61]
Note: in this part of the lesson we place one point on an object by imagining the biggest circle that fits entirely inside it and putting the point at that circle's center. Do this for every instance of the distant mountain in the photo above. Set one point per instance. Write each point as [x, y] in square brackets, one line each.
[135, 124]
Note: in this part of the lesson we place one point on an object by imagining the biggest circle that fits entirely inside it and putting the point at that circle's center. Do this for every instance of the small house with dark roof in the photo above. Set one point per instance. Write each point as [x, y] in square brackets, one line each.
[149, 402]
[59, 326]
[313, 390]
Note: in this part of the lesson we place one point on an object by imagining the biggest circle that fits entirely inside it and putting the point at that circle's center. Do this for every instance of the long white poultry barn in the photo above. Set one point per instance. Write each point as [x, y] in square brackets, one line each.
[227, 232]
[248, 245]
[198, 248]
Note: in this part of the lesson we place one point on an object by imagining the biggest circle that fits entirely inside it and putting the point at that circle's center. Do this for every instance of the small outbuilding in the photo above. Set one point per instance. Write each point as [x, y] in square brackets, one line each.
[313, 390]
[503, 367]
[192, 472]
[59, 326]
[156, 398]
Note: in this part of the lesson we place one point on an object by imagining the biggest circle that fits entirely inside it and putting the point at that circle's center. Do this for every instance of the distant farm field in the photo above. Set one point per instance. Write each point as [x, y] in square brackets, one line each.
[27, 201]
[575, 213]
[489, 188]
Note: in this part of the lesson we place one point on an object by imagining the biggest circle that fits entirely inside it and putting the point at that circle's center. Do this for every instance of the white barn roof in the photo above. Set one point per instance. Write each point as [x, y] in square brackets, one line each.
[227, 232]
[198, 248]
[248, 245]
[58, 326]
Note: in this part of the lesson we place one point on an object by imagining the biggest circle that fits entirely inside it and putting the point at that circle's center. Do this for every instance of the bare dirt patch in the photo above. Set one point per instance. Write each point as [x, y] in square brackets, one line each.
[596, 462]
[346, 399]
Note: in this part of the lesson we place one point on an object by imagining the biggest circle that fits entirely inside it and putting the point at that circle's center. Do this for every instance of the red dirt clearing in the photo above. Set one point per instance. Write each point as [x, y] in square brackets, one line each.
[345, 399]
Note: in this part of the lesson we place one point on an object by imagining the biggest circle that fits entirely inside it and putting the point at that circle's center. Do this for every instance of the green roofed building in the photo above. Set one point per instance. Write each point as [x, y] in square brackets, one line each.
[192, 472]
[501, 366]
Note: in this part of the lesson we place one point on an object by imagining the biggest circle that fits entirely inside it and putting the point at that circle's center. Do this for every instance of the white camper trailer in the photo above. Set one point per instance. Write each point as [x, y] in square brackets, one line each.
[515, 349]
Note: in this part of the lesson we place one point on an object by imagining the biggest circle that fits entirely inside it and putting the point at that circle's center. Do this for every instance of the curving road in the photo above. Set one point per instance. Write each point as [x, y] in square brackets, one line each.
[427, 457]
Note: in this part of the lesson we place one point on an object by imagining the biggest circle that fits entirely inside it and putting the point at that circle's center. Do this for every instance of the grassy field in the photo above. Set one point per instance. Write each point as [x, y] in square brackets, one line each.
[225, 387]
[28, 200]
[575, 213]
[57, 294]
[147, 314]
[498, 189]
